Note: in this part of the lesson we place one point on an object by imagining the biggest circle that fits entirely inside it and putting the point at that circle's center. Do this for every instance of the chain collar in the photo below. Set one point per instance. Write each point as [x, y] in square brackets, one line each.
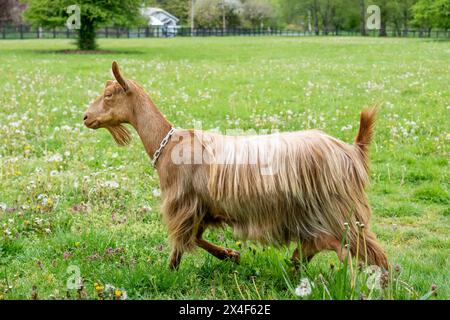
[161, 146]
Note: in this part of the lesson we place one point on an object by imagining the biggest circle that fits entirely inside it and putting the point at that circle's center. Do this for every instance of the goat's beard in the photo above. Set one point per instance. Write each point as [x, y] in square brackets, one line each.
[120, 134]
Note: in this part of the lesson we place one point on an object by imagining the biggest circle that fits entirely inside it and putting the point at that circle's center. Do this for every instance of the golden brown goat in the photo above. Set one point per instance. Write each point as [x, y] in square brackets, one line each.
[304, 187]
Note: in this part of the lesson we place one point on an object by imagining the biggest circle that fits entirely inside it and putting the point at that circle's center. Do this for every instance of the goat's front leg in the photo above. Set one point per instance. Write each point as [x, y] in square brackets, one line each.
[218, 252]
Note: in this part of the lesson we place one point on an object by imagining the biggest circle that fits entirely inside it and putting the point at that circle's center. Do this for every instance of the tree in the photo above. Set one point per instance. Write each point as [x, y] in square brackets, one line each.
[215, 13]
[257, 12]
[93, 14]
[432, 13]
[10, 11]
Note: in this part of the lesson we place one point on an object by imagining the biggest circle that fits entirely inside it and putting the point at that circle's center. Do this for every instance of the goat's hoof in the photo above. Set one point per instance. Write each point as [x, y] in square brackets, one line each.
[233, 255]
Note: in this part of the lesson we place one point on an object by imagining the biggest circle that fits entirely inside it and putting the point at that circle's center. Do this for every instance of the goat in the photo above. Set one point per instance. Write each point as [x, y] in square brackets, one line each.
[314, 197]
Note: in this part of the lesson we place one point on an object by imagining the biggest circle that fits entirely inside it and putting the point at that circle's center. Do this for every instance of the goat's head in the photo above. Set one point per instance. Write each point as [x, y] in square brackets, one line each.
[113, 108]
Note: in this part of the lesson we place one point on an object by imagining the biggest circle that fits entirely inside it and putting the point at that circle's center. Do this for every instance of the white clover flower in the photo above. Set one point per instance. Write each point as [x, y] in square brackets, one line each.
[345, 128]
[111, 184]
[156, 192]
[55, 158]
[304, 289]
[3, 206]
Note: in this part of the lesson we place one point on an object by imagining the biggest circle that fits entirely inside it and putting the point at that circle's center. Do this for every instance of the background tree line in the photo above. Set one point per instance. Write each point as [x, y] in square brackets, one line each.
[314, 15]
[318, 16]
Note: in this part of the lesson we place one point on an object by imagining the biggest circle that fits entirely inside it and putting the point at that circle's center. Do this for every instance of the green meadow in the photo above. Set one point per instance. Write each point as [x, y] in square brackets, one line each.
[73, 203]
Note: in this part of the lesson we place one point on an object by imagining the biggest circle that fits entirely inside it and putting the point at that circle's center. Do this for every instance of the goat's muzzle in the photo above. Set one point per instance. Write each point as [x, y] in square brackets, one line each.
[89, 122]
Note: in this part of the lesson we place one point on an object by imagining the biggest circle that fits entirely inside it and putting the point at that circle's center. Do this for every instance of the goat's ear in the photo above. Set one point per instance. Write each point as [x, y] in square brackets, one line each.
[109, 82]
[118, 76]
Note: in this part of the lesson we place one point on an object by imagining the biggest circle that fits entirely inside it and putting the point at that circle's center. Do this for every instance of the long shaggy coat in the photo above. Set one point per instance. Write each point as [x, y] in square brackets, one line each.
[305, 187]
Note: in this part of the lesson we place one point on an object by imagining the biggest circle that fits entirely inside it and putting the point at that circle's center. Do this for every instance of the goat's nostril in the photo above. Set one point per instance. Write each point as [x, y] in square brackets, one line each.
[85, 117]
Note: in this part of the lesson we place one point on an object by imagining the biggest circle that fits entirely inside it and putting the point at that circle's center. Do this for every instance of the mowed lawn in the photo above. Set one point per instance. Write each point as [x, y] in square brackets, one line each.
[72, 200]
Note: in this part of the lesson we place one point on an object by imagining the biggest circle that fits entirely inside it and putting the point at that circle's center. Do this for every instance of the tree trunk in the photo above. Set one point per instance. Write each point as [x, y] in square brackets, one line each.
[383, 29]
[362, 7]
[316, 17]
[86, 35]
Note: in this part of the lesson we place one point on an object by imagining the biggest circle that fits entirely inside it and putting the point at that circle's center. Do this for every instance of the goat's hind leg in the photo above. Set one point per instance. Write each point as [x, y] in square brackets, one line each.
[175, 259]
[218, 252]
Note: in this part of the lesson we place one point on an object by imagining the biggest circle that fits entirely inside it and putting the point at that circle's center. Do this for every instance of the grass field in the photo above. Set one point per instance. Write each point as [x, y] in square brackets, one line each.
[73, 200]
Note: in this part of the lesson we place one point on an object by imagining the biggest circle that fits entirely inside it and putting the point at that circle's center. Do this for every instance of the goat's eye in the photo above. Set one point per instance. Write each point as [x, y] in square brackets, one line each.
[108, 95]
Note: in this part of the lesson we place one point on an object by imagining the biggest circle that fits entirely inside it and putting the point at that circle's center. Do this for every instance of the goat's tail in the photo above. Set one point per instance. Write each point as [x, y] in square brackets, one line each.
[365, 133]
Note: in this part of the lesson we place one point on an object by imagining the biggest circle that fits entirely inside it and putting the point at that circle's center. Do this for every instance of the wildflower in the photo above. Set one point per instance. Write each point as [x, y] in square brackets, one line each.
[156, 192]
[304, 288]
[66, 255]
[118, 293]
[77, 244]
[3, 206]
[111, 184]
[239, 244]
[53, 173]
[98, 287]
[55, 158]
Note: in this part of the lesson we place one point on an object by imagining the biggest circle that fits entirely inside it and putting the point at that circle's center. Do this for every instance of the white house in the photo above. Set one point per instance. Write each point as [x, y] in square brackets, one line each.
[159, 18]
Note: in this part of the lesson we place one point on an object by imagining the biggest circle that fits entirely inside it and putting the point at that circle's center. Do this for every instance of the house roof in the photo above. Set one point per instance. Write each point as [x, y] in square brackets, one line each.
[152, 12]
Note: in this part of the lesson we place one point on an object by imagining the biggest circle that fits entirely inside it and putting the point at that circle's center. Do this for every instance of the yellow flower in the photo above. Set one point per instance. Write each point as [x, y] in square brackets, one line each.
[117, 293]
[49, 202]
[77, 244]
[238, 243]
[98, 287]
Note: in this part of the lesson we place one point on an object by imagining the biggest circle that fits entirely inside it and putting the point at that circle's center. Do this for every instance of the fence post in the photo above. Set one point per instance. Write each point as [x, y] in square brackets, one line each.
[54, 33]
[21, 31]
[117, 32]
[128, 32]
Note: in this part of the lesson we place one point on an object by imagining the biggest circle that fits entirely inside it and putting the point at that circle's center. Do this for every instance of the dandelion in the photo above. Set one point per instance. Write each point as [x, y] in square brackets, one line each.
[98, 287]
[118, 293]
[304, 289]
